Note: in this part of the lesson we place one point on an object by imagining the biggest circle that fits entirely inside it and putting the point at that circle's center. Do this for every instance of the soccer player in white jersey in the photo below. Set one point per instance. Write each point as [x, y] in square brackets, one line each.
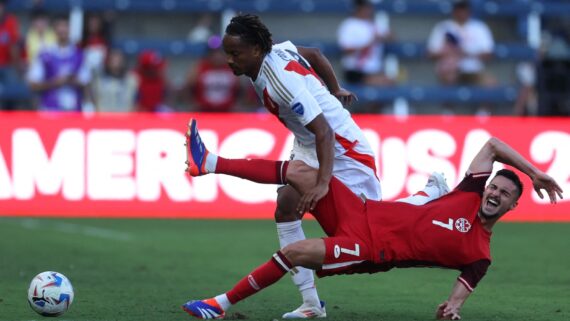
[289, 81]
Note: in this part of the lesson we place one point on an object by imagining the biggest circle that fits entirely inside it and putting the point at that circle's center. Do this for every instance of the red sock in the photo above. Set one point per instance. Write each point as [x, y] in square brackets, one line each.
[256, 170]
[262, 277]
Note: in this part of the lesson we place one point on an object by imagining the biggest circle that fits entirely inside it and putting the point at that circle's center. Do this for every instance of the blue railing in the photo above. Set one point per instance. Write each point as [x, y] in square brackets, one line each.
[404, 50]
[414, 94]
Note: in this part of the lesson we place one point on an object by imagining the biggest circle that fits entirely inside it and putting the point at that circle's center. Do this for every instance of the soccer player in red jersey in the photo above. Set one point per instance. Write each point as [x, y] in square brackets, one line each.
[453, 231]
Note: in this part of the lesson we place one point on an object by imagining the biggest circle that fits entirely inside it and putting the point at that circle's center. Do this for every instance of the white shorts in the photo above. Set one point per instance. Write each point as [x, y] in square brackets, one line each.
[356, 175]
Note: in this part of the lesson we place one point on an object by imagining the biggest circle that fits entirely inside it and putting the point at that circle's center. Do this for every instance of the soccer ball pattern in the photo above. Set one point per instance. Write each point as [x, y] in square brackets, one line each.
[50, 294]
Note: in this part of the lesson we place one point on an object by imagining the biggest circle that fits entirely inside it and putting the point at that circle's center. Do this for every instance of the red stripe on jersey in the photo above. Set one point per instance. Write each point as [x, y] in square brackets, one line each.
[270, 104]
[365, 159]
[295, 66]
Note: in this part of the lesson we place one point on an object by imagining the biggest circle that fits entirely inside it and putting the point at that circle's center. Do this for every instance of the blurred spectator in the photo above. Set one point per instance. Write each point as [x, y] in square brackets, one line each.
[527, 101]
[460, 46]
[202, 30]
[153, 87]
[10, 53]
[211, 85]
[361, 41]
[96, 39]
[115, 87]
[40, 35]
[59, 73]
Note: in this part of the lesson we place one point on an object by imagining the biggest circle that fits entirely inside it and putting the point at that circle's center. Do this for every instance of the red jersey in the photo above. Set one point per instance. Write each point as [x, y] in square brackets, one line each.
[9, 36]
[216, 89]
[445, 232]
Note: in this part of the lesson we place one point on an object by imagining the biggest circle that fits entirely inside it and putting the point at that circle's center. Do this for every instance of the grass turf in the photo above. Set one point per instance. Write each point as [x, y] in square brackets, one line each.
[145, 269]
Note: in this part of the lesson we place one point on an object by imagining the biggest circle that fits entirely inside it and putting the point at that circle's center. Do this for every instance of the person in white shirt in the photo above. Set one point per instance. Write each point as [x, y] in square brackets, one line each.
[361, 41]
[461, 46]
[299, 87]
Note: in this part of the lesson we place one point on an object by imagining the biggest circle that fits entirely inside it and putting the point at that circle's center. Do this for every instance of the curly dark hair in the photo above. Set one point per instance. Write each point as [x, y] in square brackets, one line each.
[251, 30]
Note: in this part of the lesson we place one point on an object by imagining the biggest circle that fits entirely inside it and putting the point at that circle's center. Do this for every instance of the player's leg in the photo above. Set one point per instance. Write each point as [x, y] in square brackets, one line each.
[309, 253]
[290, 231]
[435, 188]
[201, 161]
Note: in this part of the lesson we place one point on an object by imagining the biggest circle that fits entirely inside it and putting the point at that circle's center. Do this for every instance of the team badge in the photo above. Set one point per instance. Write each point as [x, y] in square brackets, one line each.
[298, 108]
[462, 225]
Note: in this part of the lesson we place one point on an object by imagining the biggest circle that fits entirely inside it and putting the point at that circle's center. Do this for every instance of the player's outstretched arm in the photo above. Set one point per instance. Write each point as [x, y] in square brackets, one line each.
[324, 69]
[449, 309]
[496, 150]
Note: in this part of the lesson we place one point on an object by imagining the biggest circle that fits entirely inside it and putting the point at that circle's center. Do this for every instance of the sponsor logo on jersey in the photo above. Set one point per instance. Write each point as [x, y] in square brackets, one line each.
[462, 225]
[298, 108]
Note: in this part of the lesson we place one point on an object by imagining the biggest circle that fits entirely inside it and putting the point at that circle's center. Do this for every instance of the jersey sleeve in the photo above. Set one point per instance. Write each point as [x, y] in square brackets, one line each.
[474, 182]
[285, 45]
[292, 92]
[436, 38]
[472, 273]
[486, 42]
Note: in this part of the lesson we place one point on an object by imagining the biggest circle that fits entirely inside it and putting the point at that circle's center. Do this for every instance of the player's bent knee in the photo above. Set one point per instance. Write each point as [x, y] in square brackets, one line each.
[306, 253]
[301, 176]
[287, 200]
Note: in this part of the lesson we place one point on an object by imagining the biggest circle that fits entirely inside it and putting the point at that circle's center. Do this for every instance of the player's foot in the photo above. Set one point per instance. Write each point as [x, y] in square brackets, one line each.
[306, 311]
[196, 152]
[439, 181]
[204, 309]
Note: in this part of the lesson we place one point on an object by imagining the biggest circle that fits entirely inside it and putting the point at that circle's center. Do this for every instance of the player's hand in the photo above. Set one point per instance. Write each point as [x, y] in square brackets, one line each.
[345, 97]
[447, 311]
[309, 199]
[547, 183]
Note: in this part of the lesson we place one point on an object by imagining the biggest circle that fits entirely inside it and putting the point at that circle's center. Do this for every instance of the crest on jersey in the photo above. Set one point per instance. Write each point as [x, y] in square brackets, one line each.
[462, 225]
[298, 108]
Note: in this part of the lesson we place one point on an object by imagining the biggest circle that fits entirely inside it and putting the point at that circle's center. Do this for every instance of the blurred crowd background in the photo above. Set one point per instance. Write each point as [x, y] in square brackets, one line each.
[478, 57]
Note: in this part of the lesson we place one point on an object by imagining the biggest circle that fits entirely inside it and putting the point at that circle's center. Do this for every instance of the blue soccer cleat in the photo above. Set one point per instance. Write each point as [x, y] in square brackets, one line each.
[205, 309]
[196, 152]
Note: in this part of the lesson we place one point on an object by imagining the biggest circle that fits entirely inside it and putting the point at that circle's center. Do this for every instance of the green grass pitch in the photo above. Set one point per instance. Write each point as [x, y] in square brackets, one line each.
[145, 269]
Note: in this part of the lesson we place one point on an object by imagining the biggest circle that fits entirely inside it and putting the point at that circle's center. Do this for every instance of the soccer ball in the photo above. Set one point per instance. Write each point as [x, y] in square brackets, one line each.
[50, 294]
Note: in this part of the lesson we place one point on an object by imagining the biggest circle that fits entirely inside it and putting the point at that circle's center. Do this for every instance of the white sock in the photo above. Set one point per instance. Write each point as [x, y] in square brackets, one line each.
[291, 232]
[429, 194]
[223, 301]
[211, 162]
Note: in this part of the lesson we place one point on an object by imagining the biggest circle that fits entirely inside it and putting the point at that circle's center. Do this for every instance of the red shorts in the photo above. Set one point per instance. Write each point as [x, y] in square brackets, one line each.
[340, 211]
[342, 216]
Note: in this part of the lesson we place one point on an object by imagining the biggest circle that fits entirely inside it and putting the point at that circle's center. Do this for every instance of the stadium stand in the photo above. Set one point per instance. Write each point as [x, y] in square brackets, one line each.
[167, 22]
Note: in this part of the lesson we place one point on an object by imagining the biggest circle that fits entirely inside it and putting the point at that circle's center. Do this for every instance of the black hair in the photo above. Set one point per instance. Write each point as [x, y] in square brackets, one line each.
[104, 33]
[513, 177]
[361, 3]
[251, 30]
[461, 4]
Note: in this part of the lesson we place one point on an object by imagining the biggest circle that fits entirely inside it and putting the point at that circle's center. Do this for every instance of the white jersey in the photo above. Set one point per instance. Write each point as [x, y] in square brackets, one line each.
[291, 90]
[474, 37]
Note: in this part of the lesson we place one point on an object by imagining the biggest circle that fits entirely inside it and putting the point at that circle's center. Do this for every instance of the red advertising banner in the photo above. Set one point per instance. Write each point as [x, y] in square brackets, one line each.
[132, 165]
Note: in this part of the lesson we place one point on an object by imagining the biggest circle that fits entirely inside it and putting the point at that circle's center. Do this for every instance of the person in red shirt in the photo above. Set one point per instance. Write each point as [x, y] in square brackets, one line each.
[212, 84]
[453, 231]
[153, 86]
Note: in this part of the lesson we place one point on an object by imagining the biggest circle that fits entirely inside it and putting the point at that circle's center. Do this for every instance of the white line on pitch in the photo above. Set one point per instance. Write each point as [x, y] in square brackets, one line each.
[72, 228]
